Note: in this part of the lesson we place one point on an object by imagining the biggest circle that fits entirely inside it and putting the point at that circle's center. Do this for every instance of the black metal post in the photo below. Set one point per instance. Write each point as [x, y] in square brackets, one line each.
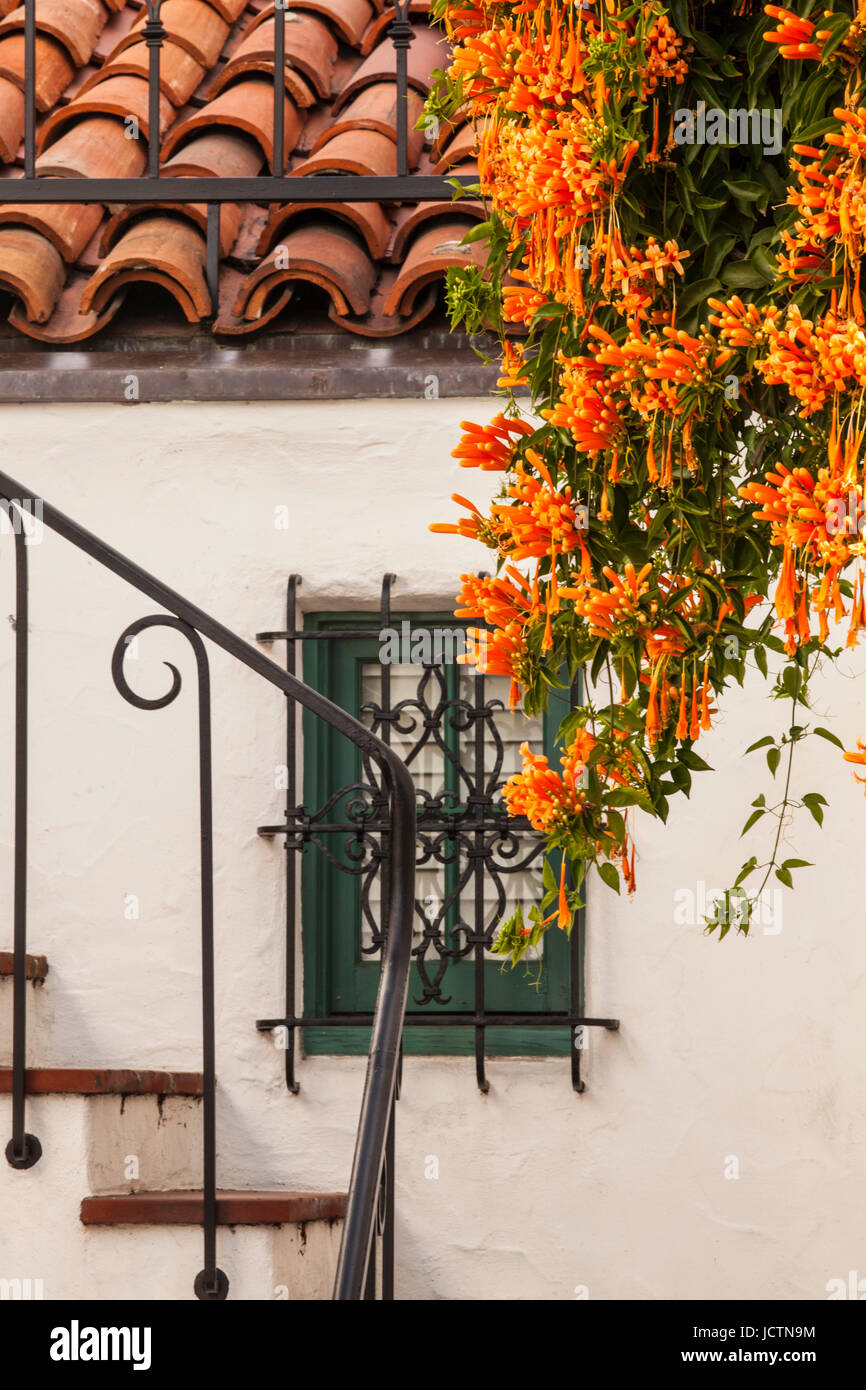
[401, 35]
[211, 1283]
[29, 89]
[279, 168]
[213, 255]
[154, 36]
[290, 849]
[23, 1150]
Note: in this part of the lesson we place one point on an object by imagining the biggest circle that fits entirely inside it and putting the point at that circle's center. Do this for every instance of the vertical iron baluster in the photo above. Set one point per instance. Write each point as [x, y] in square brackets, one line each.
[292, 850]
[279, 88]
[211, 1283]
[154, 36]
[385, 731]
[478, 873]
[29, 89]
[576, 962]
[401, 35]
[23, 1150]
[213, 255]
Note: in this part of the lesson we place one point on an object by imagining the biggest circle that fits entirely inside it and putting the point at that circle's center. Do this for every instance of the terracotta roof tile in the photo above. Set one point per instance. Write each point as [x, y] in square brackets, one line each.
[94, 148]
[427, 52]
[54, 67]
[32, 269]
[375, 108]
[179, 73]
[429, 256]
[247, 108]
[350, 18]
[310, 47]
[192, 24]
[114, 226]
[220, 154]
[116, 96]
[367, 218]
[68, 226]
[320, 253]
[380, 267]
[378, 27]
[353, 152]
[11, 119]
[67, 323]
[160, 250]
[76, 24]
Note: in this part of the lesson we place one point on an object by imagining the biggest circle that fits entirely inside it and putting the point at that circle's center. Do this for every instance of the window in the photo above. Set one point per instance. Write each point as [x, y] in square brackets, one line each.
[461, 742]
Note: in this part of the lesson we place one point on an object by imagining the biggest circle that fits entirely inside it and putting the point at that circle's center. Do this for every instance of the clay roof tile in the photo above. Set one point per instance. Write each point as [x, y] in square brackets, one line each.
[247, 107]
[427, 51]
[431, 253]
[32, 269]
[192, 24]
[11, 120]
[76, 24]
[124, 97]
[367, 218]
[160, 250]
[319, 253]
[179, 73]
[68, 226]
[95, 148]
[54, 67]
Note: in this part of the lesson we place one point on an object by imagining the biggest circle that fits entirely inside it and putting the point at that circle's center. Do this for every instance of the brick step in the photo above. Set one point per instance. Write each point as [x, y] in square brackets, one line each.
[37, 966]
[233, 1208]
[104, 1081]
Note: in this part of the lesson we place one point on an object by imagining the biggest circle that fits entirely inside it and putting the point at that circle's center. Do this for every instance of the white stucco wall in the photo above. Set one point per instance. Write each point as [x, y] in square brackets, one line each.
[750, 1050]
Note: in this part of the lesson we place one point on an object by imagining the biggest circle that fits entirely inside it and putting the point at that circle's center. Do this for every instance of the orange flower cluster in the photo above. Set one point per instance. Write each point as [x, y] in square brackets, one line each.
[551, 801]
[546, 799]
[814, 360]
[525, 74]
[654, 375]
[830, 198]
[795, 35]
[509, 606]
[490, 447]
[819, 523]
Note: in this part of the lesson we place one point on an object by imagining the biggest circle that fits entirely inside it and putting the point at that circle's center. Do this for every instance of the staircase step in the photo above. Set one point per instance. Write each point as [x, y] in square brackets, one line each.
[84, 1081]
[233, 1208]
[37, 966]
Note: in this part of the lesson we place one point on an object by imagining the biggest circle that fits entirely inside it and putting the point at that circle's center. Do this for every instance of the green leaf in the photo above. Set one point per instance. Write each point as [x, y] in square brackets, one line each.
[761, 743]
[742, 276]
[746, 190]
[753, 818]
[608, 873]
[831, 738]
[797, 864]
[784, 877]
[692, 760]
[773, 756]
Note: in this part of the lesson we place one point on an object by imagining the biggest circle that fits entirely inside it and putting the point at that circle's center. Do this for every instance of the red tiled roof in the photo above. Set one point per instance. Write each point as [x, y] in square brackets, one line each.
[69, 266]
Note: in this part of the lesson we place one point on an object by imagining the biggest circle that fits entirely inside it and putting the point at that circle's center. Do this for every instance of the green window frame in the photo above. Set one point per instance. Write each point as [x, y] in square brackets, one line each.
[338, 977]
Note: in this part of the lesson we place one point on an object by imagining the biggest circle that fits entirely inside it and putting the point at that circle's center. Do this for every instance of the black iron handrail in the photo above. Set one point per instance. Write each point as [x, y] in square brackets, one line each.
[376, 1119]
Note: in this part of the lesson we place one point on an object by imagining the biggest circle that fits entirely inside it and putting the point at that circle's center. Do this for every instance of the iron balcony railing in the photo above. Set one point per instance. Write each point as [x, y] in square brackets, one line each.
[370, 1198]
[151, 187]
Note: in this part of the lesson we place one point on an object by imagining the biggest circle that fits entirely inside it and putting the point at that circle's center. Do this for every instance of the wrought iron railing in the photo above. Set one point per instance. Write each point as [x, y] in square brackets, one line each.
[370, 1196]
[152, 187]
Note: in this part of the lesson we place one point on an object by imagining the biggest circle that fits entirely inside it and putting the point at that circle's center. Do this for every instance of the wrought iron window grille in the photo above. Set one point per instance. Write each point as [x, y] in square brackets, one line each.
[465, 828]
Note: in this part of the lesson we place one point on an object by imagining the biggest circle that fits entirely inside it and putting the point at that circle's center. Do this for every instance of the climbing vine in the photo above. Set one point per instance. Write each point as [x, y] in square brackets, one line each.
[675, 205]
